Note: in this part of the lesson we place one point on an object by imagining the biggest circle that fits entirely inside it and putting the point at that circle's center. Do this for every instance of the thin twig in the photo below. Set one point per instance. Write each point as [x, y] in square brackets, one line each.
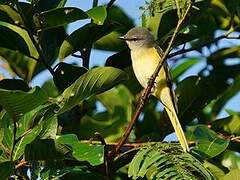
[111, 2]
[36, 45]
[147, 91]
[14, 136]
[183, 51]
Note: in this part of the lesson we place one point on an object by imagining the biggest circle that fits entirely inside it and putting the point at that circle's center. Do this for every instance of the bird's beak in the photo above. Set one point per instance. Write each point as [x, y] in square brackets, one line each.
[122, 38]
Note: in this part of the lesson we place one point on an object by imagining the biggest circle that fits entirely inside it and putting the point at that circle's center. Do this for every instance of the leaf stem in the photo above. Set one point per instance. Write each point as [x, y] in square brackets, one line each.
[147, 91]
[14, 137]
[42, 58]
[111, 2]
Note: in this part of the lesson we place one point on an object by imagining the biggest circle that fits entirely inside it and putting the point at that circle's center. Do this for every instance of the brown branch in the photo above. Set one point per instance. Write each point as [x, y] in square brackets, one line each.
[147, 91]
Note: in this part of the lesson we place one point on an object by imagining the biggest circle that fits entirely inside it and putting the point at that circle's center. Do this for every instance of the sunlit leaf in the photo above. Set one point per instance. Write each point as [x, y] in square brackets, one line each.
[93, 82]
[98, 14]
[232, 175]
[17, 102]
[208, 142]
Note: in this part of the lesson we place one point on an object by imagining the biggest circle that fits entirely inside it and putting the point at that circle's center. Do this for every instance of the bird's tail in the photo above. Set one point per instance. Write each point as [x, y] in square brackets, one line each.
[178, 129]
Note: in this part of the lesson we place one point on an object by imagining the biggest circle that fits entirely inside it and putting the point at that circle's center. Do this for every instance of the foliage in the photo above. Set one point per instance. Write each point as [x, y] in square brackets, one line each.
[50, 131]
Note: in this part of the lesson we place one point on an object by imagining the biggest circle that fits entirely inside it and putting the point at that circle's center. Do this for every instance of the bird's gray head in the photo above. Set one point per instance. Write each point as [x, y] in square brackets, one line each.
[138, 37]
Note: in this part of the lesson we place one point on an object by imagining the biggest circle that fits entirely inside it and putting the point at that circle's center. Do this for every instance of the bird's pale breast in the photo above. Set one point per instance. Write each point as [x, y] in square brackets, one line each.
[145, 61]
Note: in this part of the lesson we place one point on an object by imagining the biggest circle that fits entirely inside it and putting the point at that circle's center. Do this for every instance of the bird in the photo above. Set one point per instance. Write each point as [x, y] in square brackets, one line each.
[146, 55]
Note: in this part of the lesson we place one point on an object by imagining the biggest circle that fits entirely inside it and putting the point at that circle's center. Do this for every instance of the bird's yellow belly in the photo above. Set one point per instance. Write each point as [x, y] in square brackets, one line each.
[144, 64]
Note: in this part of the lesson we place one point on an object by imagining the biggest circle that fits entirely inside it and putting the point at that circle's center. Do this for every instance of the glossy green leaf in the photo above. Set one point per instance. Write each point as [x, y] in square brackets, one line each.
[98, 14]
[83, 38]
[93, 82]
[66, 74]
[17, 102]
[60, 17]
[92, 153]
[12, 40]
[21, 64]
[183, 67]
[6, 169]
[208, 142]
[230, 160]
[24, 35]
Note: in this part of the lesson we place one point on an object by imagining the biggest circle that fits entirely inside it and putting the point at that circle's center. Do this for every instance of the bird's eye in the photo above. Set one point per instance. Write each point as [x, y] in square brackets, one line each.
[134, 39]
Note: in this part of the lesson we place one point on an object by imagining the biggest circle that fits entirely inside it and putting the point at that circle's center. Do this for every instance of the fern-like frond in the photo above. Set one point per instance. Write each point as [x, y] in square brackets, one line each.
[166, 161]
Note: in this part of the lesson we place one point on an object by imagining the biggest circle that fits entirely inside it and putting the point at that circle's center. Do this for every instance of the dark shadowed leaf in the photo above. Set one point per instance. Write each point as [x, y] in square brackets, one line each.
[17, 102]
[6, 169]
[83, 38]
[98, 14]
[93, 82]
[60, 16]
[66, 74]
[12, 13]
[208, 142]
[14, 84]
[50, 88]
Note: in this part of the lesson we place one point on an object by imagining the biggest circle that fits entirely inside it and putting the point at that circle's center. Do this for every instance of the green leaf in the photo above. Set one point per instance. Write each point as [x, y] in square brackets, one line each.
[21, 64]
[17, 102]
[215, 170]
[92, 153]
[230, 124]
[183, 67]
[208, 143]
[6, 169]
[45, 150]
[93, 82]
[166, 161]
[66, 74]
[82, 38]
[12, 40]
[230, 160]
[27, 139]
[98, 14]
[60, 17]
[232, 175]
[224, 98]
[50, 88]
[12, 13]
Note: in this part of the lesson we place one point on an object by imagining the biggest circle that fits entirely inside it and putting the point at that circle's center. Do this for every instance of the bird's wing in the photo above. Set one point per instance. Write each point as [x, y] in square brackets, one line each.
[168, 79]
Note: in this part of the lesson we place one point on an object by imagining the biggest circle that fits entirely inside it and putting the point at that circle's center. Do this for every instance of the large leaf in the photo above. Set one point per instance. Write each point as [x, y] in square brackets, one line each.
[166, 161]
[21, 64]
[83, 38]
[17, 102]
[230, 124]
[60, 16]
[98, 14]
[95, 81]
[208, 143]
[66, 74]
[94, 154]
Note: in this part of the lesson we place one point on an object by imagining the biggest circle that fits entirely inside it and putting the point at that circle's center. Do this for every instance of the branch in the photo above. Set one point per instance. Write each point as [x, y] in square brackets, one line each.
[151, 82]
[182, 51]
[111, 2]
[36, 45]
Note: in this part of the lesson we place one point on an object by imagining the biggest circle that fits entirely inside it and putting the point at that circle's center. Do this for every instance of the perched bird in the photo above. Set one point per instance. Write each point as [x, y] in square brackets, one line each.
[145, 55]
